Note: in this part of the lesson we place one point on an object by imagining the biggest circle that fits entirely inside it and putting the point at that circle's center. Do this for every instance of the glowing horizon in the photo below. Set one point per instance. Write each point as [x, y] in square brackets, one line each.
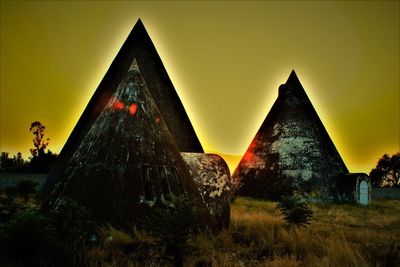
[226, 68]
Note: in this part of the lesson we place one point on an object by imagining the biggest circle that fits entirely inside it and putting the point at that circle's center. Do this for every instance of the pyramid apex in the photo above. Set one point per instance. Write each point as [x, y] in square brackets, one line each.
[292, 82]
[139, 25]
[139, 22]
[293, 79]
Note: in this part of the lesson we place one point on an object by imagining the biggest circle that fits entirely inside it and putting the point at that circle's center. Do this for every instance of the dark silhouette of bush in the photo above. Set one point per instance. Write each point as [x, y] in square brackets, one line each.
[26, 188]
[38, 131]
[10, 190]
[14, 164]
[295, 211]
[387, 171]
[173, 225]
[72, 225]
[43, 162]
[9, 208]
[27, 238]
[6, 163]
[33, 237]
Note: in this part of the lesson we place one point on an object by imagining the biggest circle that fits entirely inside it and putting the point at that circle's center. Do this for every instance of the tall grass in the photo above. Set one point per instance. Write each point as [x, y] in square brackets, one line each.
[339, 235]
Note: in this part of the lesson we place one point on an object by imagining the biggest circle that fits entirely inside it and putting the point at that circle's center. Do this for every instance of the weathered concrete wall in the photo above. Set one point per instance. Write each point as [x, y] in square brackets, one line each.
[385, 193]
[212, 176]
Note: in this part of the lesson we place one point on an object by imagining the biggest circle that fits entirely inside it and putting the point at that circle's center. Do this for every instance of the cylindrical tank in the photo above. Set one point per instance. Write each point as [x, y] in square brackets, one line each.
[212, 176]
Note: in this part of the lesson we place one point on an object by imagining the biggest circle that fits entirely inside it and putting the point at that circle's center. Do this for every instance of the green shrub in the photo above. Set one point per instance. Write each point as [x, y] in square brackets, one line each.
[10, 190]
[173, 225]
[27, 238]
[9, 208]
[26, 188]
[54, 238]
[72, 224]
[295, 211]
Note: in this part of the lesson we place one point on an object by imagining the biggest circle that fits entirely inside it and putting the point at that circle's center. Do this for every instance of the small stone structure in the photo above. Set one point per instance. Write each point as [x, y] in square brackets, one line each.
[211, 174]
[353, 187]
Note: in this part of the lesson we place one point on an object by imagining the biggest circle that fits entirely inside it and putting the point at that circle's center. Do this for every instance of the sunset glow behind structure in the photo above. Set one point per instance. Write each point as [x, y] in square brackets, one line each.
[225, 61]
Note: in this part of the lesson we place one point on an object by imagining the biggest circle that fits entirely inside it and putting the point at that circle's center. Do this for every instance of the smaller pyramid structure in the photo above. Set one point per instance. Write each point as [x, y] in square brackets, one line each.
[291, 151]
[127, 162]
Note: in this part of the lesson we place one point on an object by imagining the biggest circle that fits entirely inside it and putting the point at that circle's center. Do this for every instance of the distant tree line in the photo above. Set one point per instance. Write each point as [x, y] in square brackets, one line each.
[387, 171]
[40, 160]
[385, 174]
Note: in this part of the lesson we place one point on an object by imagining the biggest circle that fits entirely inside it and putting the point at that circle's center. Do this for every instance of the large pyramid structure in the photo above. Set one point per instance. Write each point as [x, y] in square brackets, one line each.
[291, 151]
[127, 161]
[139, 46]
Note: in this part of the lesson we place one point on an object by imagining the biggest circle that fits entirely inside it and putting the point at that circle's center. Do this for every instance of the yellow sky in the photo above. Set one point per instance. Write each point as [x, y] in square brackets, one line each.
[226, 60]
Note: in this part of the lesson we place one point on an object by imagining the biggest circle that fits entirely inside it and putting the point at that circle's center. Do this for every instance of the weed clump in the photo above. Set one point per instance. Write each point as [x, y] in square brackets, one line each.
[27, 237]
[295, 211]
[173, 225]
[26, 188]
[31, 236]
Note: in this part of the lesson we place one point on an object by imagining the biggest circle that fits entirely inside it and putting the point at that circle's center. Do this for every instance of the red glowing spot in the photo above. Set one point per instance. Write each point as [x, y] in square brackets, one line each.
[253, 144]
[133, 108]
[119, 105]
[248, 157]
[157, 120]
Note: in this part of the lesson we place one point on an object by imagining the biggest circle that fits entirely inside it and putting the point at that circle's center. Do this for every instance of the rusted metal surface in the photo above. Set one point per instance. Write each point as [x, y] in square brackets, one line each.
[292, 149]
[211, 174]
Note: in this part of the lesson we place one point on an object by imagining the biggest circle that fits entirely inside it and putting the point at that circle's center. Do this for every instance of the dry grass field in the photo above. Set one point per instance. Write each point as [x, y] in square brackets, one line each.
[339, 235]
